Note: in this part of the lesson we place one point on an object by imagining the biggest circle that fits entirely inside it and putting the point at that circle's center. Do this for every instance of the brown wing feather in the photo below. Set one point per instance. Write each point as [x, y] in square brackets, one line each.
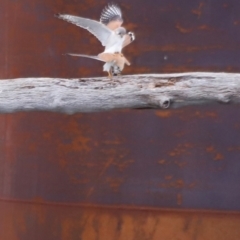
[114, 24]
[112, 16]
[118, 58]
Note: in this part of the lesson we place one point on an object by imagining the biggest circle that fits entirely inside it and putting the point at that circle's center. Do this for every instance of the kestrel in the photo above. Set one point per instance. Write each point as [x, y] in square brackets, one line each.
[110, 33]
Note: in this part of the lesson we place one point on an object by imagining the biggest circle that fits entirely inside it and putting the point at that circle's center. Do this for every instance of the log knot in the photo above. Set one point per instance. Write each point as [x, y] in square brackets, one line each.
[159, 101]
[223, 98]
[164, 102]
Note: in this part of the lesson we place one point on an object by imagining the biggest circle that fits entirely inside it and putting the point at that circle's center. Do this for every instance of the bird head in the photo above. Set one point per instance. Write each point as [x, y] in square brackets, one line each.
[121, 31]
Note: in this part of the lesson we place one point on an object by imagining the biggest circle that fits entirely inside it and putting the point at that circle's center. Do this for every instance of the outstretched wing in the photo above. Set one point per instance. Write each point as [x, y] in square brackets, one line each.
[112, 16]
[99, 30]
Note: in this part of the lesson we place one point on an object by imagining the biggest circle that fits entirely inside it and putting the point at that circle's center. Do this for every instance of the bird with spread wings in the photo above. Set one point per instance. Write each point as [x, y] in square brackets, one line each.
[110, 33]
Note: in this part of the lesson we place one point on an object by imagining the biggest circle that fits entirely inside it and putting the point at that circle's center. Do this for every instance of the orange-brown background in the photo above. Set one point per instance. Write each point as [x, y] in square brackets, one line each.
[191, 35]
[131, 159]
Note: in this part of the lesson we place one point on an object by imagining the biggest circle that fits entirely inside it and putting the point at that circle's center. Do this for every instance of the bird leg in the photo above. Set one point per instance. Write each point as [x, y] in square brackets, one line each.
[110, 75]
[114, 63]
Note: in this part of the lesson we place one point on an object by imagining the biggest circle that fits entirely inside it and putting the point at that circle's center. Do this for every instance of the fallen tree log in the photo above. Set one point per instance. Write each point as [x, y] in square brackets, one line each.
[132, 91]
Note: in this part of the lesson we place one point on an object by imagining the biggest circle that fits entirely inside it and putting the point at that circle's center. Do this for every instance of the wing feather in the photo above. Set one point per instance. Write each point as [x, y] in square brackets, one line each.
[112, 16]
[99, 30]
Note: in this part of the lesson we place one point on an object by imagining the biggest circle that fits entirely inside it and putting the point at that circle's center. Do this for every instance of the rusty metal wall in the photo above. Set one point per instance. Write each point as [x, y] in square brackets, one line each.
[171, 36]
[35, 221]
[163, 159]
[130, 159]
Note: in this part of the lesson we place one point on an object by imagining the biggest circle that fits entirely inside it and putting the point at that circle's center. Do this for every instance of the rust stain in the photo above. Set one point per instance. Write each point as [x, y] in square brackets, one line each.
[210, 115]
[177, 184]
[33, 147]
[181, 149]
[114, 183]
[124, 164]
[112, 142]
[237, 126]
[105, 224]
[205, 28]
[38, 200]
[79, 140]
[180, 163]
[162, 162]
[82, 219]
[237, 22]
[192, 185]
[90, 192]
[235, 148]
[198, 114]
[81, 144]
[169, 177]
[180, 134]
[75, 180]
[210, 149]
[179, 199]
[107, 164]
[172, 184]
[163, 114]
[218, 157]
[118, 159]
[199, 10]
[182, 29]
[66, 228]
[40, 214]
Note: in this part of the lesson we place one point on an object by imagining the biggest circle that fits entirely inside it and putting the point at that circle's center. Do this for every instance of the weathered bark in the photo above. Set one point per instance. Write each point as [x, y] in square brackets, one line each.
[133, 91]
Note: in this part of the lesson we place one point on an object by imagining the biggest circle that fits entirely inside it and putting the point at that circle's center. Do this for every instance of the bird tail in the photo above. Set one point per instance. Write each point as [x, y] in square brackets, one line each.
[83, 55]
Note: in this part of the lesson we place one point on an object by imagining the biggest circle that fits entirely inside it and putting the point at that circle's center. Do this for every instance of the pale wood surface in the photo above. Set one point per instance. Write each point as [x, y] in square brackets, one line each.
[132, 91]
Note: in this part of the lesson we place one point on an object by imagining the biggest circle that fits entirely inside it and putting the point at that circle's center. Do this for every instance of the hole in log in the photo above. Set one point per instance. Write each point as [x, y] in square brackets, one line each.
[165, 103]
